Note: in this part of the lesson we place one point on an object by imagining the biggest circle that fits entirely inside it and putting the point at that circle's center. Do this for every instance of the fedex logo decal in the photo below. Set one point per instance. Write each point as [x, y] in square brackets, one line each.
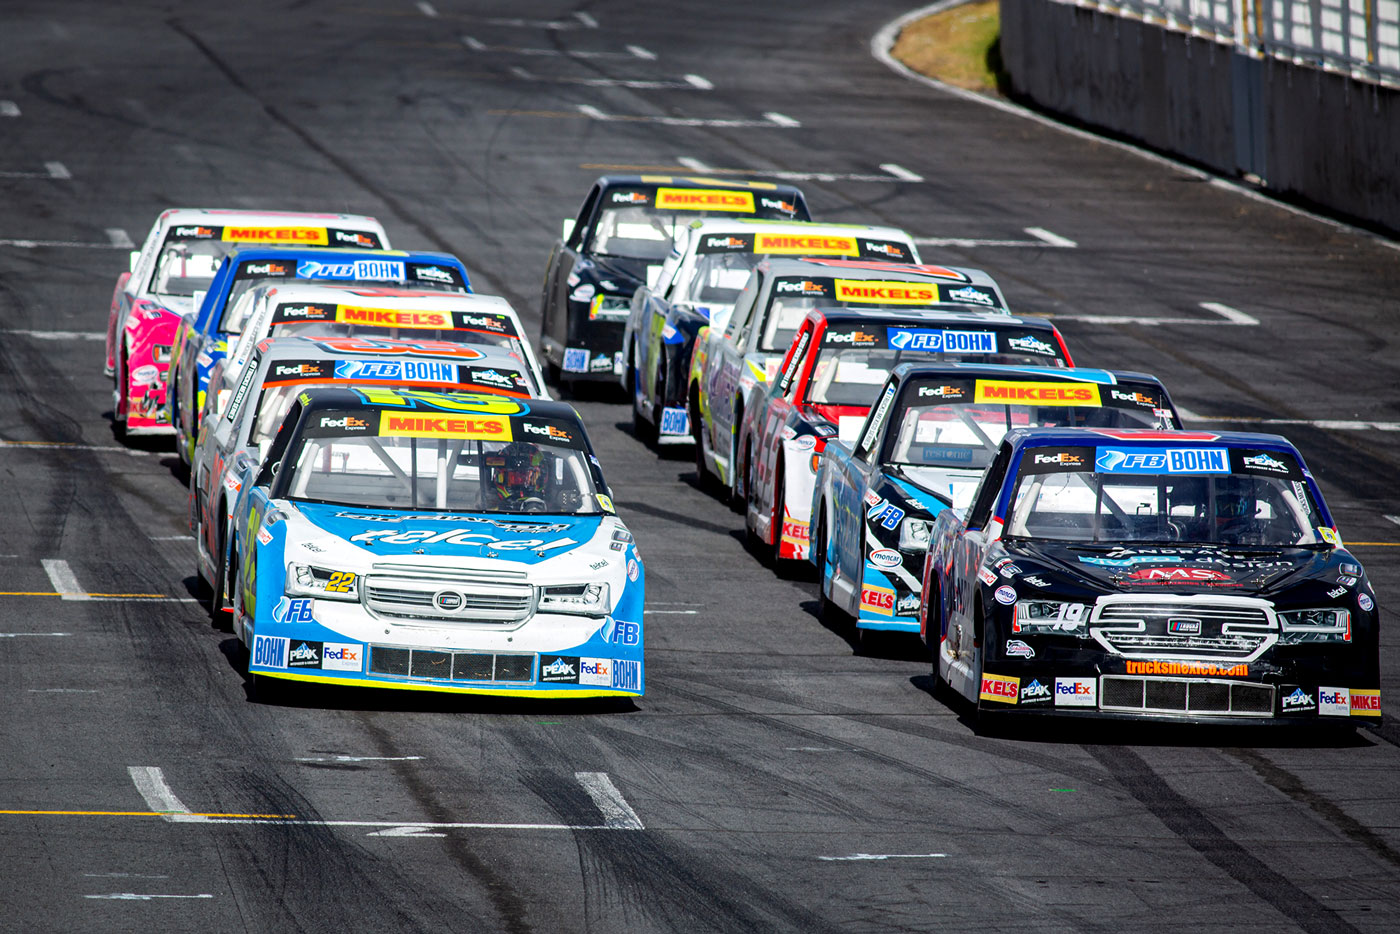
[342, 656]
[1333, 702]
[1076, 692]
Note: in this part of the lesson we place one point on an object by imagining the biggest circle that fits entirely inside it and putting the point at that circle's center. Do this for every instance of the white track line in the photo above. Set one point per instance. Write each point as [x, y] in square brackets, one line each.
[9, 109]
[136, 897]
[699, 82]
[57, 170]
[1230, 316]
[870, 856]
[770, 119]
[427, 9]
[51, 170]
[358, 759]
[476, 45]
[118, 238]
[1039, 242]
[695, 165]
[31, 244]
[1395, 519]
[644, 54]
[616, 813]
[63, 579]
[150, 783]
[57, 446]
[671, 612]
[59, 335]
[635, 84]
[1053, 239]
[586, 19]
[900, 172]
[883, 41]
[16, 635]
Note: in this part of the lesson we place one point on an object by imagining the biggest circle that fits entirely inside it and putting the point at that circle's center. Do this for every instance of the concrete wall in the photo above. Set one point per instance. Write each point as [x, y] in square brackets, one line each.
[1320, 137]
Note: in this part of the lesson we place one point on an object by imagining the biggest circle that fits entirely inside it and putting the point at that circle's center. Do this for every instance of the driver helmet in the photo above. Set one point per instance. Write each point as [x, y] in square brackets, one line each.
[517, 472]
[1234, 506]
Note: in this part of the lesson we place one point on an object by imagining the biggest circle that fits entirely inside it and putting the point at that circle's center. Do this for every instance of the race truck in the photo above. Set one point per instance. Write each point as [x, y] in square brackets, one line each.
[1146, 575]
[176, 262]
[618, 241]
[206, 331]
[922, 451]
[437, 542]
[708, 266]
[834, 370]
[731, 364]
[277, 311]
[239, 439]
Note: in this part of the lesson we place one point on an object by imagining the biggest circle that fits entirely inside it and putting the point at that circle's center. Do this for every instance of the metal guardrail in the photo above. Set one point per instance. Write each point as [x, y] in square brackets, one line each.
[1356, 37]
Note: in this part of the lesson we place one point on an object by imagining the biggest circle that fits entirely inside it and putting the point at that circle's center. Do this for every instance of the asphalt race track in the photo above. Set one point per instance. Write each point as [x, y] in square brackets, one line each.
[771, 779]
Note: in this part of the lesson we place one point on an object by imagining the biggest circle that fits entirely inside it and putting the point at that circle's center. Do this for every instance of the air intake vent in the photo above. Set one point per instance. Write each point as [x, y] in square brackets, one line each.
[1186, 696]
[437, 665]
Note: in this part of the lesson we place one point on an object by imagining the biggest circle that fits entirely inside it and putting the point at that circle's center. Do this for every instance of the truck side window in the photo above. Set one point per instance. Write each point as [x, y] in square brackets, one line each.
[986, 496]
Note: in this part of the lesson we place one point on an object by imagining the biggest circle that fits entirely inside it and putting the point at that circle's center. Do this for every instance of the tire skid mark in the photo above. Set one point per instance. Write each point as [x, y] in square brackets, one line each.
[348, 169]
[1196, 830]
[654, 873]
[894, 723]
[781, 723]
[510, 905]
[1285, 782]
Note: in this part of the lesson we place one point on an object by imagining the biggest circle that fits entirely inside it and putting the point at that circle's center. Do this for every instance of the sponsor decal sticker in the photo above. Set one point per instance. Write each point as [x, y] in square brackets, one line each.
[1299, 701]
[674, 421]
[372, 270]
[604, 502]
[930, 340]
[1015, 648]
[270, 651]
[946, 393]
[471, 428]
[632, 570]
[393, 317]
[1000, 688]
[264, 536]
[307, 236]
[626, 675]
[1163, 460]
[1364, 601]
[886, 293]
[805, 244]
[342, 656]
[576, 360]
[304, 654]
[1035, 693]
[972, 295]
[1006, 391]
[1333, 702]
[1365, 702]
[1035, 581]
[886, 558]
[1205, 669]
[986, 576]
[1207, 576]
[1076, 692]
[885, 513]
[704, 199]
[877, 599]
[559, 669]
[595, 671]
[1031, 344]
[1006, 595]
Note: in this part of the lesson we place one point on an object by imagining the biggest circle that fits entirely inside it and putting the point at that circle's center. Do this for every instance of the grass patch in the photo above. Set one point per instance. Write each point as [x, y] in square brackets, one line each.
[958, 46]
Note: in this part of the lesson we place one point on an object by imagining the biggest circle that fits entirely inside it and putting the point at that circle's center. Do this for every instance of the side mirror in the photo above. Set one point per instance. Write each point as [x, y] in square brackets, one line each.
[199, 299]
[567, 230]
[135, 258]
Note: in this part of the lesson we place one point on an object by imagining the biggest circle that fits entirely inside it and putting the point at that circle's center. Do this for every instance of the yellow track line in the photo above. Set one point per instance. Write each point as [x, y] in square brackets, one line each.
[54, 593]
